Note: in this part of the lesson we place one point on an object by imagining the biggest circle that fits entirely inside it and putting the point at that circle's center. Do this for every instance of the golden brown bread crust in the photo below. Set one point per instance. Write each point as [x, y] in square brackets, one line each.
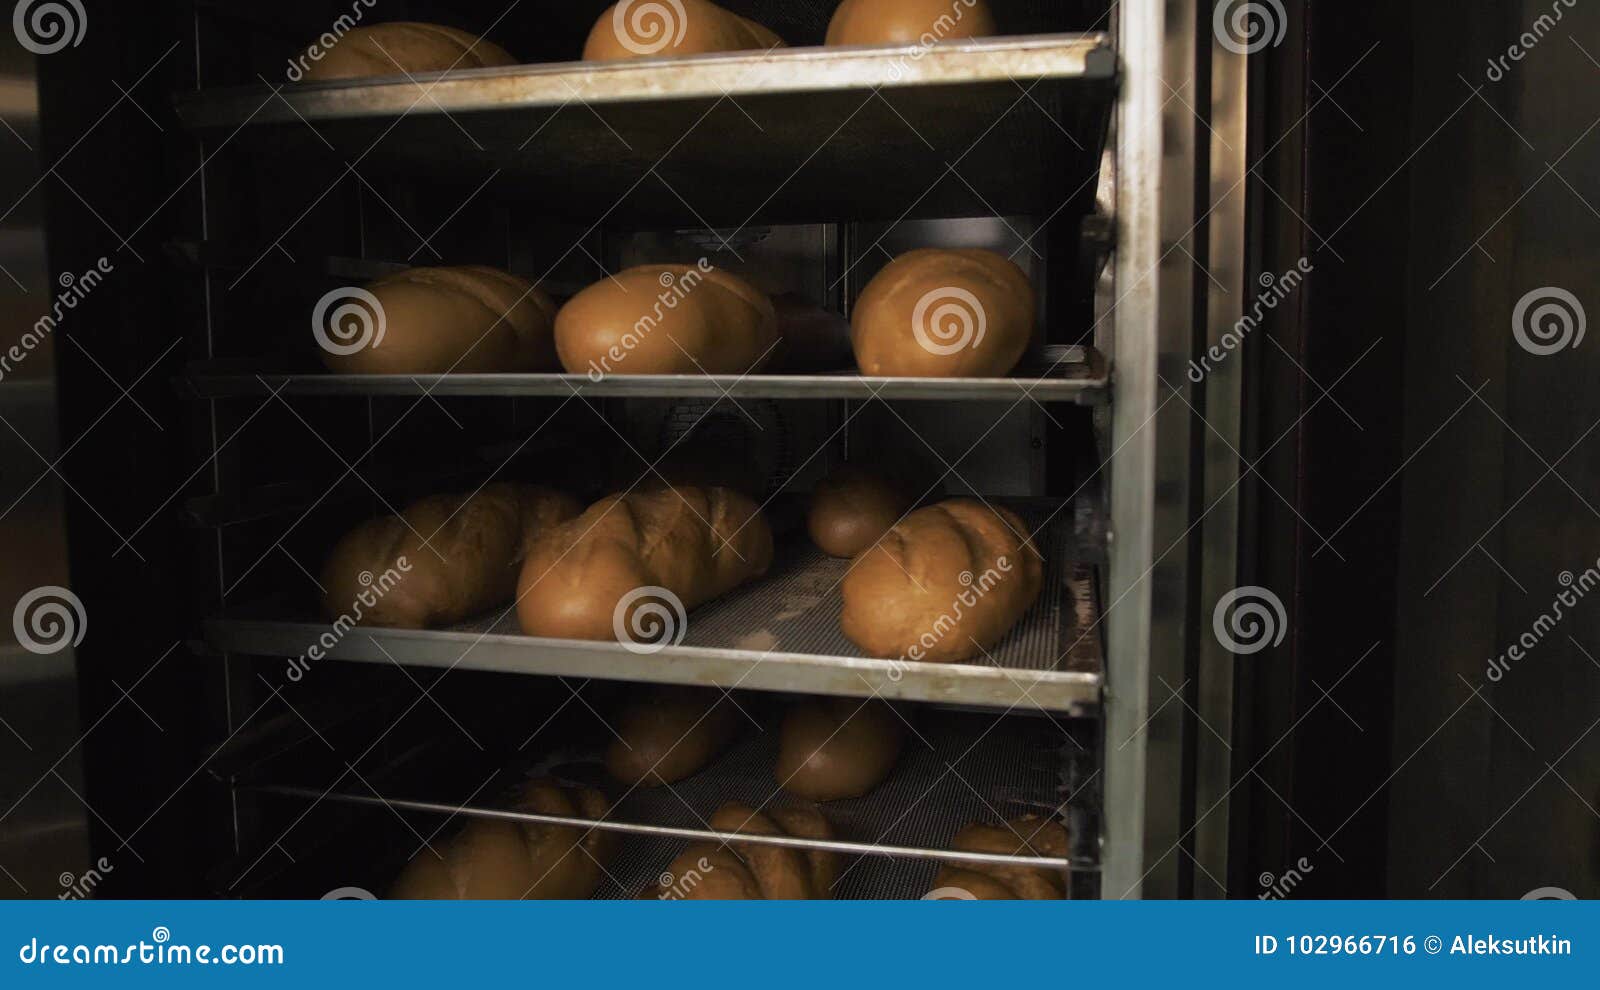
[907, 22]
[469, 320]
[668, 734]
[935, 313]
[646, 28]
[667, 320]
[746, 871]
[697, 543]
[381, 573]
[404, 48]
[833, 748]
[501, 860]
[946, 584]
[1026, 835]
[851, 509]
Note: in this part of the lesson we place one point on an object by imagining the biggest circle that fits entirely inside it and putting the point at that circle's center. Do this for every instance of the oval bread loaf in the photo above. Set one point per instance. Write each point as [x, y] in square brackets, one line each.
[935, 313]
[1027, 835]
[833, 748]
[469, 319]
[403, 48]
[851, 509]
[748, 871]
[667, 320]
[382, 573]
[669, 734]
[906, 22]
[946, 584]
[641, 28]
[613, 573]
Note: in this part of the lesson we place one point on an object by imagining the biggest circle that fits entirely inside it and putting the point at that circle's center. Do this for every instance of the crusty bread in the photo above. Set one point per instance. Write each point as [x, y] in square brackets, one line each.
[468, 319]
[667, 320]
[852, 508]
[503, 860]
[946, 583]
[382, 574]
[404, 48]
[1027, 835]
[833, 748]
[909, 22]
[601, 576]
[642, 28]
[935, 313]
[749, 871]
[665, 735]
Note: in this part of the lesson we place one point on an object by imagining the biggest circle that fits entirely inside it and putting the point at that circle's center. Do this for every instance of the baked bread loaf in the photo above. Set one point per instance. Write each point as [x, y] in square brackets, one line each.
[641, 28]
[669, 734]
[469, 319]
[851, 509]
[935, 313]
[613, 572]
[833, 748]
[740, 871]
[909, 22]
[501, 860]
[946, 584]
[382, 574]
[1027, 835]
[402, 48]
[667, 320]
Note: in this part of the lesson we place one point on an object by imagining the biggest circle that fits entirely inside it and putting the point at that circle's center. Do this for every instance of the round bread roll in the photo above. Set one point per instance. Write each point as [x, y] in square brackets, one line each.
[630, 567]
[643, 28]
[667, 320]
[382, 574]
[566, 862]
[707, 872]
[403, 48]
[909, 22]
[851, 509]
[782, 873]
[669, 734]
[747, 871]
[809, 823]
[469, 320]
[1026, 835]
[833, 748]
[935, 313]
[946, 584]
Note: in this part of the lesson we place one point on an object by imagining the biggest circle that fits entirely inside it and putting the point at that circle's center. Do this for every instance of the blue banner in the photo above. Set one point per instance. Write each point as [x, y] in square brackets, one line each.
[804, 945]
